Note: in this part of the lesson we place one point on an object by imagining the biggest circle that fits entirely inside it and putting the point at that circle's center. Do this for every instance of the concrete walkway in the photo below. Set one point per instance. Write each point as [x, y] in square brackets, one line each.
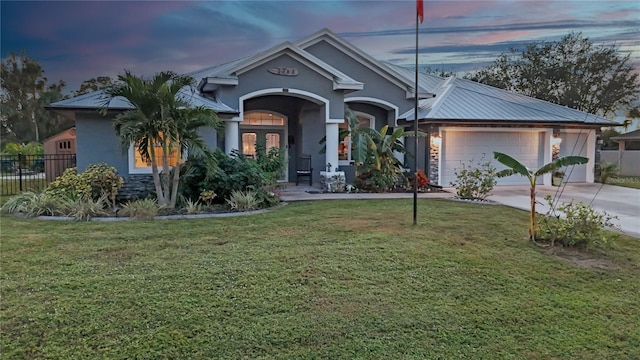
[615, 200]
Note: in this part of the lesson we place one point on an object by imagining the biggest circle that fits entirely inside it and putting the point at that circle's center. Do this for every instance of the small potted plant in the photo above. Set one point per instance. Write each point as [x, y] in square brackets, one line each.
[556, 177]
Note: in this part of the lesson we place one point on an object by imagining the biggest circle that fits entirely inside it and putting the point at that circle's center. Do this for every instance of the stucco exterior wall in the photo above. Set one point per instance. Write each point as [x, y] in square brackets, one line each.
[96, 142]
[375, 86]
[307, 80]
[379, 113]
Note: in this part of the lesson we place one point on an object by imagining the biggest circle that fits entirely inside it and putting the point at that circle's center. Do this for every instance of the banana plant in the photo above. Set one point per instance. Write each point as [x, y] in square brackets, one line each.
[515, 167]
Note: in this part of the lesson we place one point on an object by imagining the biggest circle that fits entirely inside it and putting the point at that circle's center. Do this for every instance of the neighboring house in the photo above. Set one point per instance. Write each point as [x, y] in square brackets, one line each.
[59, 153]
[294, 94]
[628, 154]
[63, 142]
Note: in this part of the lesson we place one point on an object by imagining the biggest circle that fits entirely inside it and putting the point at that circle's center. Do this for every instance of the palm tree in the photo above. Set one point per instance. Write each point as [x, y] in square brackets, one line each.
[373, 152]
[515, 167]
[160, 120]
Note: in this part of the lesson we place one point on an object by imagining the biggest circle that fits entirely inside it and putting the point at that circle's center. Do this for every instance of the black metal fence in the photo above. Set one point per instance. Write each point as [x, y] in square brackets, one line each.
[31, 172]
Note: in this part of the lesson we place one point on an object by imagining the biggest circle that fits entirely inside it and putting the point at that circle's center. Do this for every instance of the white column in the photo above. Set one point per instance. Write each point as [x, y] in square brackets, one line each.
[231, 136]
[331, 155]
[548, 154]
[591, 154]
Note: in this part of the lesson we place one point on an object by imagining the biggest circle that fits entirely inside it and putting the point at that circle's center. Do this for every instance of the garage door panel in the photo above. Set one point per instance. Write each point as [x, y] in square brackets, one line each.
[574, 144]
[462, 146]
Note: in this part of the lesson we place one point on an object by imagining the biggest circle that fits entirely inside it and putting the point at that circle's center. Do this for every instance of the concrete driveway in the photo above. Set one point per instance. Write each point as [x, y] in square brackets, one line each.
[615, 200]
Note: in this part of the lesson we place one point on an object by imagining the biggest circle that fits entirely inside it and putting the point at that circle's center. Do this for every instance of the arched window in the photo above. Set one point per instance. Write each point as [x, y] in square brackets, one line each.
[345, 146]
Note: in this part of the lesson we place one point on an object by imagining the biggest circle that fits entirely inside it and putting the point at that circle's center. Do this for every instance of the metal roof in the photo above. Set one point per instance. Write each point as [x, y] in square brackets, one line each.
[426, 83]
[461, 99]
[97, 99]
[633, 135]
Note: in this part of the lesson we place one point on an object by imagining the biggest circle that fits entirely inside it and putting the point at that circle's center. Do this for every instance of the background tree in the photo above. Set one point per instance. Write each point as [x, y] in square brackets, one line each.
[572, 72]
[95, 84]
[631, 114]
[25, 93]
[439, 71]
[160, 120]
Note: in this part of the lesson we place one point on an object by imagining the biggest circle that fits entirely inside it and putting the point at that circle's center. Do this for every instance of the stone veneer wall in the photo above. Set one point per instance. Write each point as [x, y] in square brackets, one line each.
[433, 164]
[555, 152]
[136, 187]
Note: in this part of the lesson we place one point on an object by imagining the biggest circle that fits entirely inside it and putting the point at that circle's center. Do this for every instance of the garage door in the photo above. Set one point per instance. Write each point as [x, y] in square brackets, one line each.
[462, 146]
[574, 144]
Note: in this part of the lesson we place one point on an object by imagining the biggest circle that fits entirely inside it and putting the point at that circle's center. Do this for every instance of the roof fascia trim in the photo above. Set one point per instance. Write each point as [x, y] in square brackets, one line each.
[350, 50]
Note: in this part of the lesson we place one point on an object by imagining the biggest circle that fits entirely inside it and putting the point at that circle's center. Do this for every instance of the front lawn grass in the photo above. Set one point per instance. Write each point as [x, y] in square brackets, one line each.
[326, 279]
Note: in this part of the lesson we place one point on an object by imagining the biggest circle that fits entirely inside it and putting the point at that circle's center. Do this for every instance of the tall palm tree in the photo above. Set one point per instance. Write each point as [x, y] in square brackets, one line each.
[515, 167]
[160, 119]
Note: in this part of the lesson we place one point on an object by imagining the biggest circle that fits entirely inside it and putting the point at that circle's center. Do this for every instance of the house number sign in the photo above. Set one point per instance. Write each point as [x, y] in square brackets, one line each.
[284, 71]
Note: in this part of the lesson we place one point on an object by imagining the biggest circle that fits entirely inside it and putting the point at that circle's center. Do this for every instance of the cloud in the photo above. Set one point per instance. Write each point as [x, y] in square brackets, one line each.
[567, 24]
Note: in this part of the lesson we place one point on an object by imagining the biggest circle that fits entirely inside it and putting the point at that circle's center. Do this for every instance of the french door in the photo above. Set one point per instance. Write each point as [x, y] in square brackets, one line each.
[273, 138]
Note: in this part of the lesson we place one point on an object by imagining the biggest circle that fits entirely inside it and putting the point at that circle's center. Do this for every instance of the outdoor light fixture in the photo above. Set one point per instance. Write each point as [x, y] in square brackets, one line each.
[436, 140]
[556, 140]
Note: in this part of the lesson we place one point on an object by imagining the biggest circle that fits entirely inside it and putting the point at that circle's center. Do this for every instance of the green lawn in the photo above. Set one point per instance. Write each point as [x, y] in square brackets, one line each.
[626, 181]
[326, 279]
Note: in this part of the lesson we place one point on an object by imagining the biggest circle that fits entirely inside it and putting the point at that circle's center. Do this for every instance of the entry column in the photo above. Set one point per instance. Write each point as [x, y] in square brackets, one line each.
[333, 133]
[231, 135]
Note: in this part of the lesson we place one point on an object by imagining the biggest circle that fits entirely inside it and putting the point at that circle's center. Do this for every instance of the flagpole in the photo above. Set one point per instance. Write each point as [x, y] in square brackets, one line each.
[415, 128]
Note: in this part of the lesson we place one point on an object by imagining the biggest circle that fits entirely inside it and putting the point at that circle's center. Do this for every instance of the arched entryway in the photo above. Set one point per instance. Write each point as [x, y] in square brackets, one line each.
[294, 123]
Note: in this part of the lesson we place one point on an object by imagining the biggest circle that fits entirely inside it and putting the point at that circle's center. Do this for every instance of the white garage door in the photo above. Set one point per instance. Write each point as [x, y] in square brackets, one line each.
[462, 146]
[574, 144]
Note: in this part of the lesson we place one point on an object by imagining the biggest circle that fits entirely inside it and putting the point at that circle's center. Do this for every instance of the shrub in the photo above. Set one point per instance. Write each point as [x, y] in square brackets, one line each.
[608, 171]
[85, 209]
[423, 180]
[192, 207]
[575, 224]
[243, 200]
[68, 185]
[474, 180]
[272, 162]
[267, 196]
[143, 209]
[208, 196]
[379, 179]
[99, 180]
[222, 176]
[104, 182]
[32, 204]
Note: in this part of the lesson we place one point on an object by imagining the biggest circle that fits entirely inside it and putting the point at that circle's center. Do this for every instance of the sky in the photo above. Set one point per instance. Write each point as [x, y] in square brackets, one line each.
[78, 40]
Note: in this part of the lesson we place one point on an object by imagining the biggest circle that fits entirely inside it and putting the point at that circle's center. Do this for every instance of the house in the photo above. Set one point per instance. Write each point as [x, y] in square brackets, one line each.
[59, 153]
[627, 157]
[294, 94]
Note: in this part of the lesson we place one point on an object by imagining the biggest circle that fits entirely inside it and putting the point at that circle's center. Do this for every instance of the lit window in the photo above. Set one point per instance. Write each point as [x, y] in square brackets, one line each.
[137, 165]
[249, 144]
[262, 119]
[344, 146]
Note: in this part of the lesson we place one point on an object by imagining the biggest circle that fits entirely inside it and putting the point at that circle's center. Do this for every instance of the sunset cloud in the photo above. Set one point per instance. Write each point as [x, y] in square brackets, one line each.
[78, 40]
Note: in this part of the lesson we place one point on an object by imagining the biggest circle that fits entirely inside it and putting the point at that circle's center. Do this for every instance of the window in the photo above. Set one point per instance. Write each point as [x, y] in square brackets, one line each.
[344, 146]
[262, 119]
[137, 165]
[249, 144]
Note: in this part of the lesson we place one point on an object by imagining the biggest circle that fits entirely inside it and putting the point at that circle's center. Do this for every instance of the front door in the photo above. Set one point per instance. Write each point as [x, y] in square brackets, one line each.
[271, 137]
